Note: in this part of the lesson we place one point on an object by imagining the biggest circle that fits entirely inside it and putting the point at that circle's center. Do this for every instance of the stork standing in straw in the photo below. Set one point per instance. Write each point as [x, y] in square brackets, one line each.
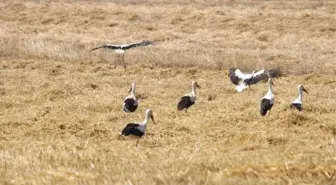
[267, 101]
[131, 102]
[244, 80]
[297, 103]
[137, 130]
[188, 99]
[120, 49]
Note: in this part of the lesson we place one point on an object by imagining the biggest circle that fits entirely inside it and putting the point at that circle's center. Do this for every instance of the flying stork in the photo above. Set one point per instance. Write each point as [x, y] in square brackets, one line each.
[244, 80]
[267, 101]
[137, 130]
[297, 103]
[120, 49]
[131, 102]
[189, 99]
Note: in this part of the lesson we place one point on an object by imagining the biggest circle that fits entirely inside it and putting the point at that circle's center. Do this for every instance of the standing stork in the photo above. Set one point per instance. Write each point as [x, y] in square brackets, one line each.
[244, 80]
[267, 101]
[297, 103]
[137, 130]
[131, 102]
[189, 99]
[120, 49]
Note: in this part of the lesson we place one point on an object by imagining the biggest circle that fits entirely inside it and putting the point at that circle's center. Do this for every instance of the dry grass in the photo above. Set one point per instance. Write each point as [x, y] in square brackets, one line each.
[299, 37]
[60, 106]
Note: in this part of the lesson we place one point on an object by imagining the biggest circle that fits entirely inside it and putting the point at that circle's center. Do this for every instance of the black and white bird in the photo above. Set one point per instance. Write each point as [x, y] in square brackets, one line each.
[297, 103]
[189, 99]
[267, 101]
[131, 102]
[244, 80]
[137, 130]
[120, 49]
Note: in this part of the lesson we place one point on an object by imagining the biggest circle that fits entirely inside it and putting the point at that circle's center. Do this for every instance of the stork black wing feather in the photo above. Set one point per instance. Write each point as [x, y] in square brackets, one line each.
[185, 102]
[106, 46]
[234, 79]
[131, 129]
[275, 73]
[143, 43]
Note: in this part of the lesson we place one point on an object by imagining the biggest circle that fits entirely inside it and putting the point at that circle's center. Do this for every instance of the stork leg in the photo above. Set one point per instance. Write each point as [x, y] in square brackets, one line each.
[269, 112]
[122, 58]
[136, 145]
[115, 64]
[250, 87]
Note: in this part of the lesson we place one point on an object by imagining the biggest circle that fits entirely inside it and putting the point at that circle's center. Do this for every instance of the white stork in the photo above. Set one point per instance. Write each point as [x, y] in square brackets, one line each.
[189, 99]
[244, 80]
[297, 103]
[131, 102]
[267, 101]
[120, 49]
[137, 130]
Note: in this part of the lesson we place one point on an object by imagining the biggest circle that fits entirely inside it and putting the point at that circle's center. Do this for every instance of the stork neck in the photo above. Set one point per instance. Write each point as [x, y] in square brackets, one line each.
[193, 89]
[300, 95]
[146, 119]
[133, 90]
[269, 87]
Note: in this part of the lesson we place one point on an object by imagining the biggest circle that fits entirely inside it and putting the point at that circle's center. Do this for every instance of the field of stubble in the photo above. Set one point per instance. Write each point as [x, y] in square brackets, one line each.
[61, 106]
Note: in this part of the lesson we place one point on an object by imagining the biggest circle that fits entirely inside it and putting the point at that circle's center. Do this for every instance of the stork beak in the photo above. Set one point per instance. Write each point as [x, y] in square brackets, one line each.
[198, 86]
[152, 117]
[272, 83]
[130, 90]
[304, 90]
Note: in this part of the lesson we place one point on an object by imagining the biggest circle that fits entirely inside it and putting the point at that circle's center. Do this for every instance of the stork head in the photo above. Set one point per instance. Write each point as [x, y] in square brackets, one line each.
[195, 84]
[301, 88]
[132, 87]
[231, 70]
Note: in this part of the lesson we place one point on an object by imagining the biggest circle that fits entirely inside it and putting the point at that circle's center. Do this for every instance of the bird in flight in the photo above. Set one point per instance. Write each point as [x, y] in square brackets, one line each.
[120, 49]
[244, 80]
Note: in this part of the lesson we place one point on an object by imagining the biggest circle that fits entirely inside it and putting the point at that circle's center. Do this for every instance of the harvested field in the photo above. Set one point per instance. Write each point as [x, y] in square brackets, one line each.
[61, 105]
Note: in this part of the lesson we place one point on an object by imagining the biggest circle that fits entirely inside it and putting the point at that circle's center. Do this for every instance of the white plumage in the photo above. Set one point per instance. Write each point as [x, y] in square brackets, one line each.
[188, 99]
[297, 103]
[137, 130]
[267, 101]
[244, 80]
[120, 49]
[131, 102]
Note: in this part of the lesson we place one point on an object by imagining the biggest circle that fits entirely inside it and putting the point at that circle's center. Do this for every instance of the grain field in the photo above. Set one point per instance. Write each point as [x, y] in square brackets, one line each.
[61, 105]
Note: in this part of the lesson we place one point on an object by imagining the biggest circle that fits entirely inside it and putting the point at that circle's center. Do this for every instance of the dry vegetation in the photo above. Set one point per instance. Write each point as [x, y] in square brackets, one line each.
[60, 105]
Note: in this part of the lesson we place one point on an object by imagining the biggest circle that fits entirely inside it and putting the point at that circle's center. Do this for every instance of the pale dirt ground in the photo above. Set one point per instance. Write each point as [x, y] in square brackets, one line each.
[60, 105]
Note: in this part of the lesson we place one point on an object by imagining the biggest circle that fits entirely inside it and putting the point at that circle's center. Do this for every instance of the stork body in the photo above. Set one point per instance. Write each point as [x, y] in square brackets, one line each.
[267, 101]
[138, 130]
[297, 103]
[244, 80]
[120, 49]
[189, 99]
[131, 102]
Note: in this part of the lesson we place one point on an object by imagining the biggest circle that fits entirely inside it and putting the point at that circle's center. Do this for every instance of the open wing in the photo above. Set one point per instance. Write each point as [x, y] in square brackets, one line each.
[109, 46]
[264, 75]
[236, 75]
[142, 43]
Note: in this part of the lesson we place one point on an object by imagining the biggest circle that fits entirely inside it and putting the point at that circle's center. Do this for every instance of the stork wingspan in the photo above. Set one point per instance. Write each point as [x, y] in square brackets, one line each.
[125, 46]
